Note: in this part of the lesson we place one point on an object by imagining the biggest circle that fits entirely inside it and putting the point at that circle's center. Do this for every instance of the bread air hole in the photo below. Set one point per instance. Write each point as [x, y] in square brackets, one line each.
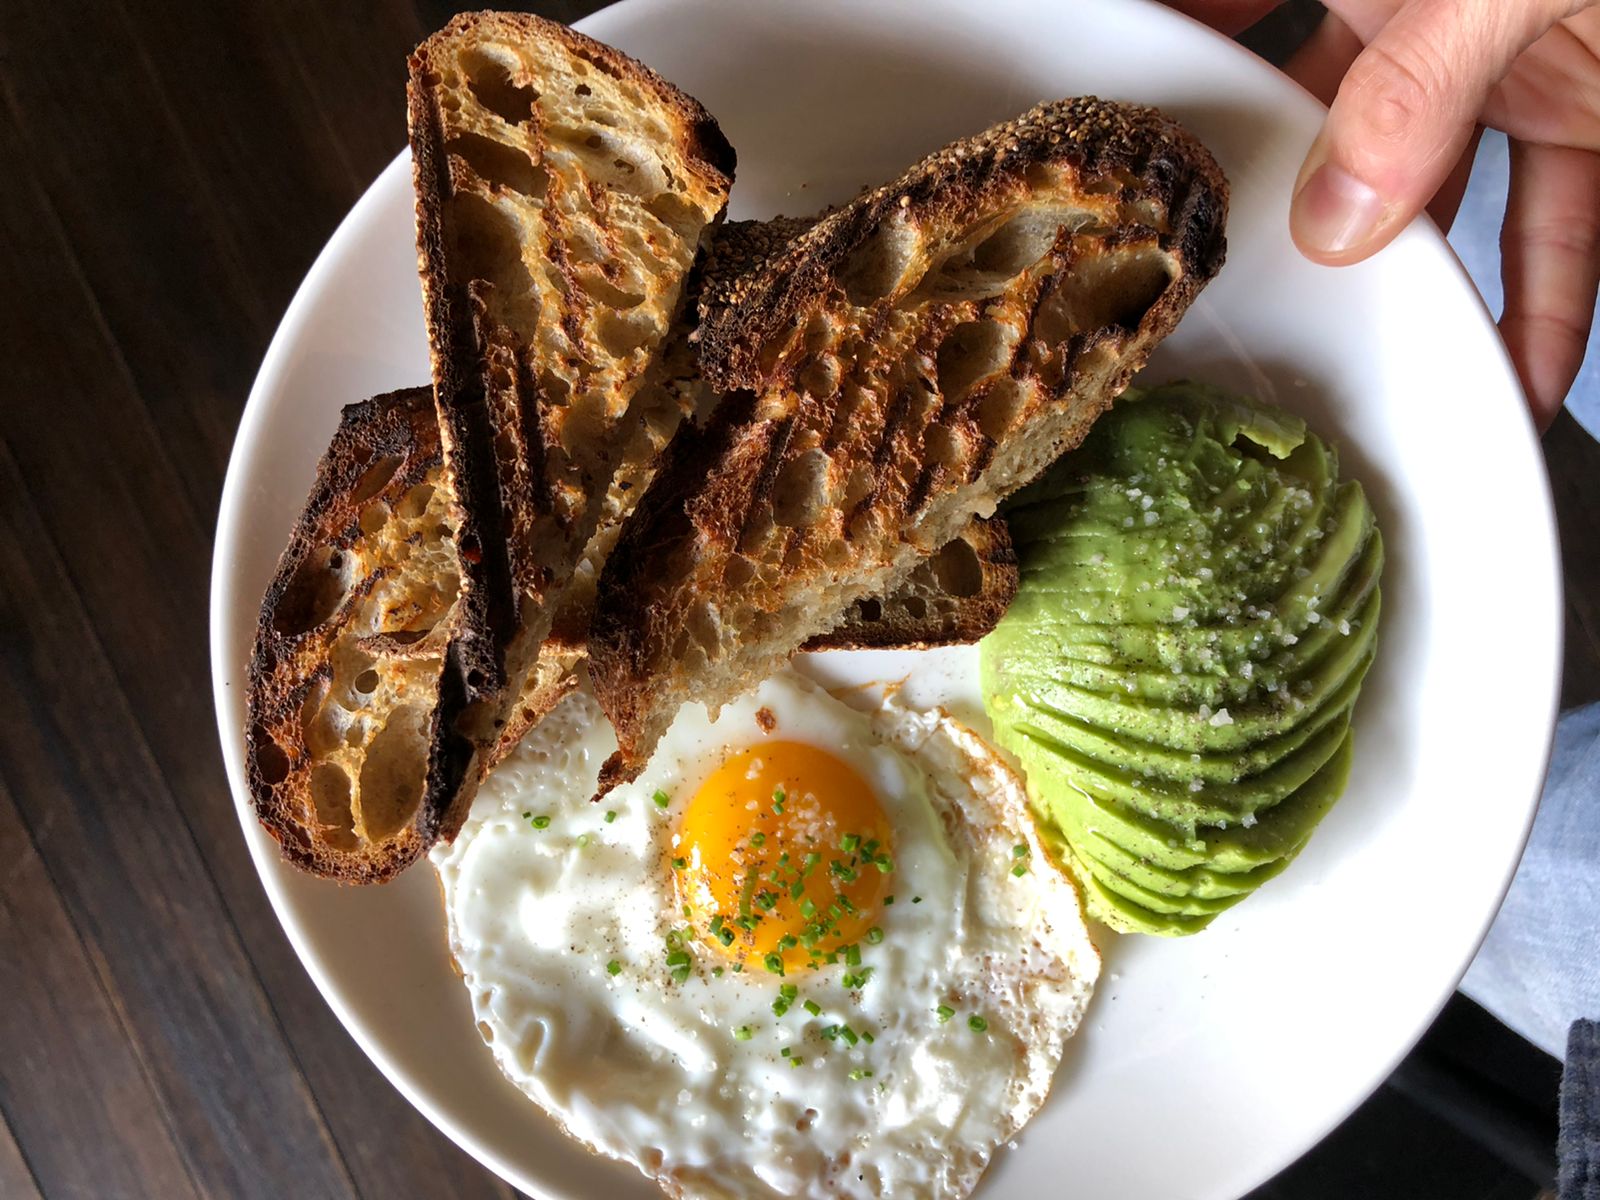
[621, 335]
[271, 762]
[499, 165]
[957, 569]
[392, 775]
[990, 259]
[488, 245]
[879, 267]
[330, 798]
[676, 213]
[998, 408]
[492, 80]
[374, 478]
[1113, 289]
[374, 517]
[315, 591]
[973, 351]
[608, 295]
[801, 491]
[415, 502]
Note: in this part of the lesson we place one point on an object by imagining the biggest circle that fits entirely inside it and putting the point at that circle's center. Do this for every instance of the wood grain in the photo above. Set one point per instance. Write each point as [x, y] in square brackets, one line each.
[170, 171]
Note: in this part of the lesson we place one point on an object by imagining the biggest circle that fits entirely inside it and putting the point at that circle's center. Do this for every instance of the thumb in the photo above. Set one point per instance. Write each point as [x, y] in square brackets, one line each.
[1404, 113]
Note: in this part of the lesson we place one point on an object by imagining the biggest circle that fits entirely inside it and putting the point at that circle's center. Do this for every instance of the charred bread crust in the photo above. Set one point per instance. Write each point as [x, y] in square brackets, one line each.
[833, 352]
[323, 586]
[1145, 155]
[485, 388]
[954, 597]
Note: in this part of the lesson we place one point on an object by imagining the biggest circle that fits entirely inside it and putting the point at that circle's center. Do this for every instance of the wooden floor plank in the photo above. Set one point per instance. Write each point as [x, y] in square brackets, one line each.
[102, 479]
[72, 1086]
[16, 1180]
[133, 882]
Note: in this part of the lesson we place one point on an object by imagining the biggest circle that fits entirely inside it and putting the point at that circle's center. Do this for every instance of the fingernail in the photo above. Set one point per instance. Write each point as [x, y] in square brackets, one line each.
[1335, 212]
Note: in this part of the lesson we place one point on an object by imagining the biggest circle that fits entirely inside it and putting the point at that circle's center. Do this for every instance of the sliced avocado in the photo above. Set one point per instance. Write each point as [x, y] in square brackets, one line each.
[1108, 749]
[1276, 832]
[1184, 808]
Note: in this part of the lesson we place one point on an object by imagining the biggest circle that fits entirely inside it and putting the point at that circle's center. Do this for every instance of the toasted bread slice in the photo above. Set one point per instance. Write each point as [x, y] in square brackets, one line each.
[952, 597]
[345, 668]
[352, 634]
[563, 191]
[900, 367]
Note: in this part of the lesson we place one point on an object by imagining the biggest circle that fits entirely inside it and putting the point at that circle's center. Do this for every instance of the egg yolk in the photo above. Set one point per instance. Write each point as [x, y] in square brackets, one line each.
[784, 857]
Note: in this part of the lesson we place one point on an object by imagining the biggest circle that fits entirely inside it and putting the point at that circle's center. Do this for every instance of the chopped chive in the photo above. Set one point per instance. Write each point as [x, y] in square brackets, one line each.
[774, 963]
[844, 903]
[786, 1051]
[813, 1008]
[810, 864]
[541, 822]
[688, 913]
[874, 936]
[797, 889]
[716, 972]
[870, 848]
[860, 1073]
[888, 900]
[611, 815]
[866, 1036]
[848, 1035]
[679, 863]
[613, 967]
[795, 1062]
[1020, 870]
[916, 899]
[1020, 850]
[758, 839]
[852, 955]
[807, 908]
[884, 863]
[977, 1024]
[831, 1032]
[661, 798]
[674, 939]
[583, 840]
[780, 1006]
[725, 935]
[743, 1033]
[738, 968]
[788, 991]
[788, 941]
[945, 1012]
[849, 842]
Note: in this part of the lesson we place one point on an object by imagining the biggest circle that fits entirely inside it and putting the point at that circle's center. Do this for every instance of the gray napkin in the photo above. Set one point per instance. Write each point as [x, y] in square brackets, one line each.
[1539, 969]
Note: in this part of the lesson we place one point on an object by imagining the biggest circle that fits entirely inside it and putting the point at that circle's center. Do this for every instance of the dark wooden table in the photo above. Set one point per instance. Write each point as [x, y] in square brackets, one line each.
[168, 172]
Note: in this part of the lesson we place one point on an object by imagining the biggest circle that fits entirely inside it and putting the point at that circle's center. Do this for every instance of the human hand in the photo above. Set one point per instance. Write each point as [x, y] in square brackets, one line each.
[1410, 82]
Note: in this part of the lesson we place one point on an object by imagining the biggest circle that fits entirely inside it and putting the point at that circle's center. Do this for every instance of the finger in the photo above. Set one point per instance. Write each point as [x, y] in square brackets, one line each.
[1225, 16]
[1322, 61]
[1402, 117]
[1446, 201]
[1550, 265]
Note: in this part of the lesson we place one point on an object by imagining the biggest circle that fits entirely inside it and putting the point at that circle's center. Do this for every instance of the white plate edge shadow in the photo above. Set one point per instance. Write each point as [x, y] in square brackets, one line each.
[228, 677]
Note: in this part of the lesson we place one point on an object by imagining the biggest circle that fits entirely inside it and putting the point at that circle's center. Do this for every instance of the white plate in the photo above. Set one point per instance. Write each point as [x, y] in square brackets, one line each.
[1206, 1064]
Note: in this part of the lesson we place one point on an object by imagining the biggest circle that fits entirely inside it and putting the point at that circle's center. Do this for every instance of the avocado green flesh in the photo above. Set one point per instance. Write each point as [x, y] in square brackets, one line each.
[1198, 608]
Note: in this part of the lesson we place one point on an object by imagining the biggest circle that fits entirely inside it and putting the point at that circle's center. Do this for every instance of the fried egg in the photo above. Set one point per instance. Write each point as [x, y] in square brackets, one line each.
[811, 952]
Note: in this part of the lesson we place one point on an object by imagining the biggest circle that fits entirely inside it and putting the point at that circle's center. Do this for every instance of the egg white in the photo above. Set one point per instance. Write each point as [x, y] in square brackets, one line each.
[648, 1070]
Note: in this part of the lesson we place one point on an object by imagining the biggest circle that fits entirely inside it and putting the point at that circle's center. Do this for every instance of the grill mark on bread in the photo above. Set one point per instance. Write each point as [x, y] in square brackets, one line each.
[1111, 172]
